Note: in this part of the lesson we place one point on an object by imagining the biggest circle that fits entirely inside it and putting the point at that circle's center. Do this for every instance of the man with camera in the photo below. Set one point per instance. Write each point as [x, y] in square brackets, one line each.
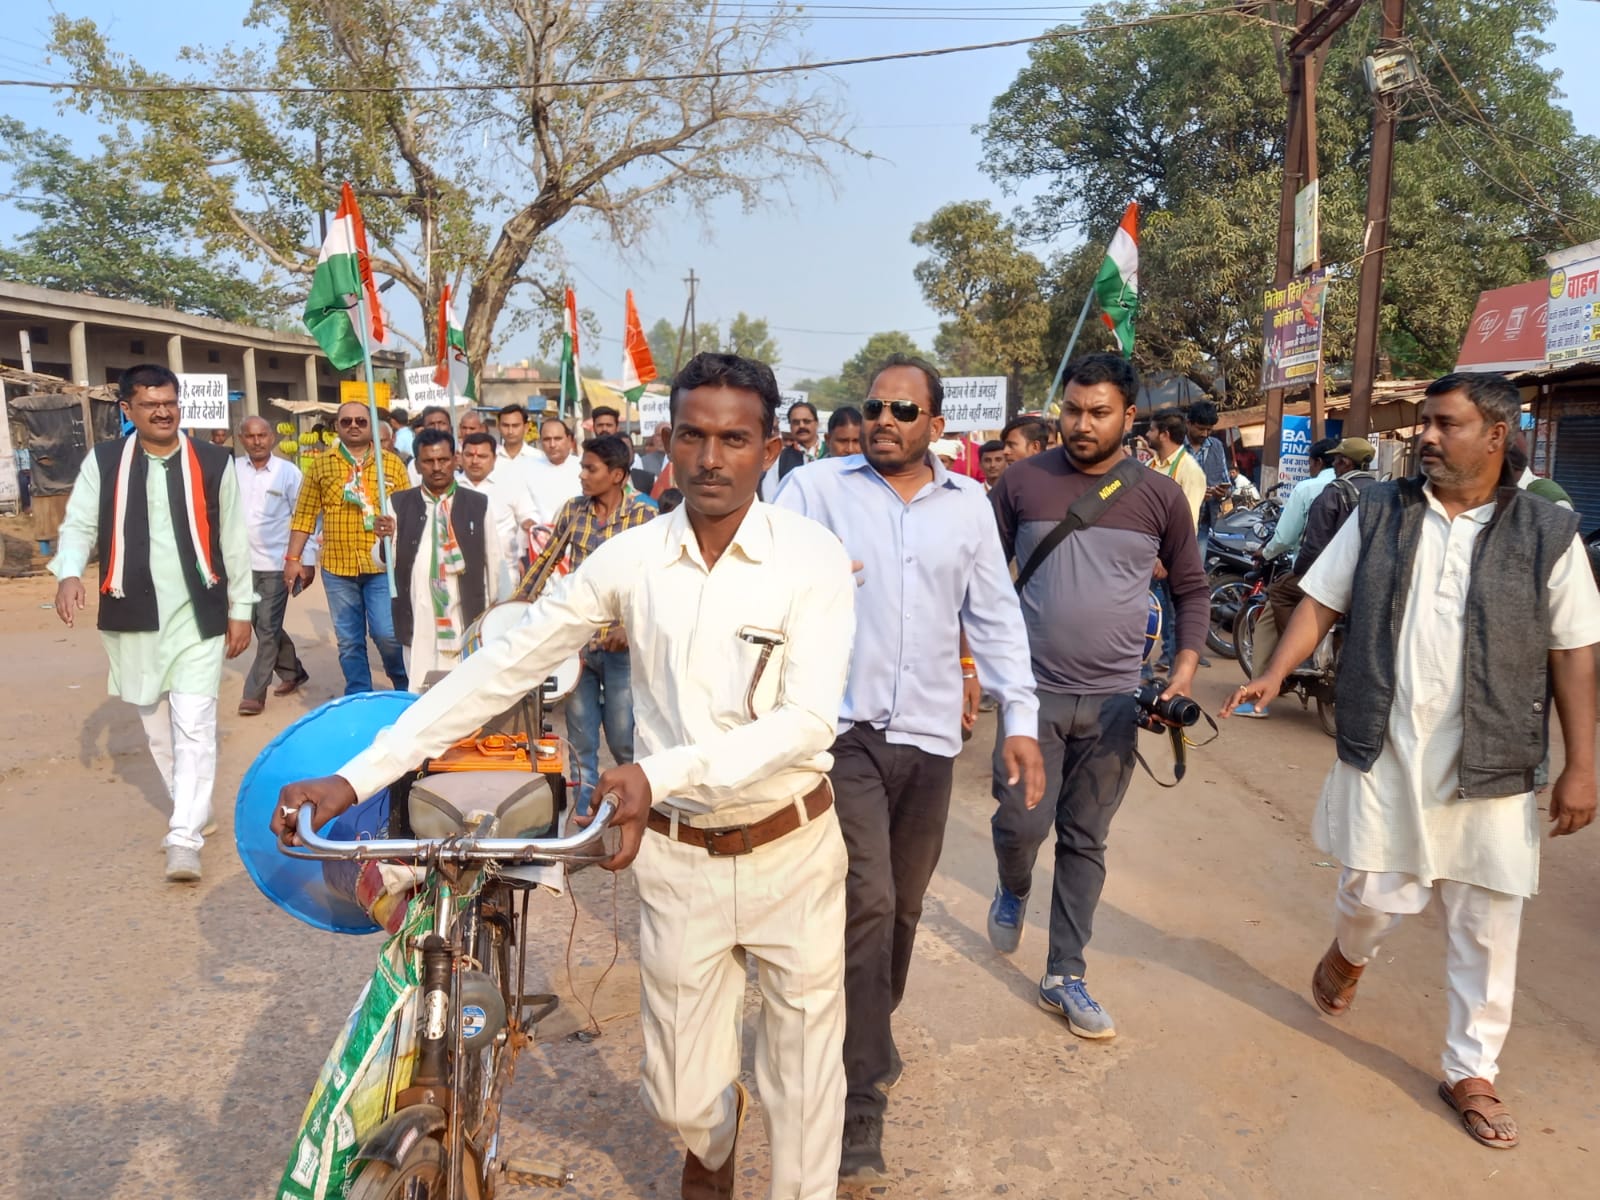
[1087, 525]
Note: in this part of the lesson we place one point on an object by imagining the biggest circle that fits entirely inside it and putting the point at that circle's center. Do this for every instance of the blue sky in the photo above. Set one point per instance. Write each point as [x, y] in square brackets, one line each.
[826, 270]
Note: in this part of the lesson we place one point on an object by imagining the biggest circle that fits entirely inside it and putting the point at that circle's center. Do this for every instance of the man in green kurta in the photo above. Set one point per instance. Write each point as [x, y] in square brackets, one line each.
[175, 593]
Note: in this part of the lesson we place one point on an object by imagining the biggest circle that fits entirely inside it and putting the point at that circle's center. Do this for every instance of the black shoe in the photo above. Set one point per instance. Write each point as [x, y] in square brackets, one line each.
[862, 1159]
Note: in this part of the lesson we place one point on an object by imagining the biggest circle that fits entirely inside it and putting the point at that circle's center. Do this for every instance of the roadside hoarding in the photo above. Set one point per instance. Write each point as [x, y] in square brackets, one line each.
[1572, 322]
[1291, 349]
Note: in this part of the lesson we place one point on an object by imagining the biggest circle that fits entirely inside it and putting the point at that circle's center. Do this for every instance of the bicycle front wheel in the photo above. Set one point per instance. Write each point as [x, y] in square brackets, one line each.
[420, 1176]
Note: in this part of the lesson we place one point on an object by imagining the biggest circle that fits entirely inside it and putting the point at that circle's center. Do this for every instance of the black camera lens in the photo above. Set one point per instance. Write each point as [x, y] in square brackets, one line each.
[1180, 710]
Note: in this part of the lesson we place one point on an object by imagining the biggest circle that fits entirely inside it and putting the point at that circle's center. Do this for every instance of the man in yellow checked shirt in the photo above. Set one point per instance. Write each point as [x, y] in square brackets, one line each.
[342, 489]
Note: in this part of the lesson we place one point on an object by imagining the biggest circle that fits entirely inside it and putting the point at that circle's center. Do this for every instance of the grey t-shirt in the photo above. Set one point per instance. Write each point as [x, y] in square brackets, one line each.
[1087, 604]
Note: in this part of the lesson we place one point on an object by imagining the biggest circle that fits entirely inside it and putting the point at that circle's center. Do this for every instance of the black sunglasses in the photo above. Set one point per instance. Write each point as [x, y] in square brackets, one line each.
[903, 411]
[352, 422]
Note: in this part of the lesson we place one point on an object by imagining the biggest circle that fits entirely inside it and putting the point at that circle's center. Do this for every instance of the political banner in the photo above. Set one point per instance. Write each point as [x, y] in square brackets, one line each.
[204, 401]
[974, 402]
[421, 390]
[1572, 322]
[1291, 349]
[1294, 450]
[654, 411]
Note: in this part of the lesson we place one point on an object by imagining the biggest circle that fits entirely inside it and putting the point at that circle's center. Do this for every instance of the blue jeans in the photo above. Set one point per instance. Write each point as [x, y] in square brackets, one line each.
[604, 695]
[1169, 625]
[360, 604]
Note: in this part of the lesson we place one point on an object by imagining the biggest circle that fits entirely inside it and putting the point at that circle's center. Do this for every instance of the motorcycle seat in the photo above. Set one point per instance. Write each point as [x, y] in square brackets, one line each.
[517, 803]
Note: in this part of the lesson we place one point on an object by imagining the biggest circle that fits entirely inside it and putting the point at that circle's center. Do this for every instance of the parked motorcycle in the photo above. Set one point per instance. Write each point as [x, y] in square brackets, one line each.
[1231, 553]
[1312, 679]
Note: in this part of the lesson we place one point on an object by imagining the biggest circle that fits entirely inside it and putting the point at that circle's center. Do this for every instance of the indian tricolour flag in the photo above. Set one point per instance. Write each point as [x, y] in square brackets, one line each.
[344, 273]
[1117, 285]
[571, 385]
[638, 364]
[451, 372]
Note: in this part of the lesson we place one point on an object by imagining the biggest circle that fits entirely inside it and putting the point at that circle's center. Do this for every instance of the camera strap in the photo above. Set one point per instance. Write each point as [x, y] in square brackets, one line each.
[1085, 511]
[1180, 746]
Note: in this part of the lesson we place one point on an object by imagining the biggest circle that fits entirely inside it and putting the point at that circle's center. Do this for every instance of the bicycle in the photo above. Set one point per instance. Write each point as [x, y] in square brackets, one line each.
[441, 1141]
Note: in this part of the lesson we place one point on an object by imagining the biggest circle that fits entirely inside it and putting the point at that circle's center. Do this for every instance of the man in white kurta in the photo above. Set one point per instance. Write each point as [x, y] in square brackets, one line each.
[740, 618]
[1407, 830]
[557, 477]
[171, 674]
[435, 460]
[510, 503]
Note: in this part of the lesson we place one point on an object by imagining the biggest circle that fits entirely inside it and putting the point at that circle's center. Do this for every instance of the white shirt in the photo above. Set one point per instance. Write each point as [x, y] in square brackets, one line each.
[1404, 815]
[700, 749]
[508, 508]
[268, 496]
[553, 484]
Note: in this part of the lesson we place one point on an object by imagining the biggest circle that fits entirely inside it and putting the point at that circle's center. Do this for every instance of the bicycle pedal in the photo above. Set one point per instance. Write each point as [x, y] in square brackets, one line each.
[531, 1172]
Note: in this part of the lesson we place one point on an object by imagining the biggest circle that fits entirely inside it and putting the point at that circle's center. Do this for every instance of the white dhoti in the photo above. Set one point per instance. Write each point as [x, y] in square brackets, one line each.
[700, 917]
[1482, 928]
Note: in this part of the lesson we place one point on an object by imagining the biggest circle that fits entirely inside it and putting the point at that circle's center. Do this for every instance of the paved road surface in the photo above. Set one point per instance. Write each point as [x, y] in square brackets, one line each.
[160, 1040]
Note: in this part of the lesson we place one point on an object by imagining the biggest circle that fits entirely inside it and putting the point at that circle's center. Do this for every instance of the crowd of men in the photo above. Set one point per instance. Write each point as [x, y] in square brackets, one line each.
[797, 649]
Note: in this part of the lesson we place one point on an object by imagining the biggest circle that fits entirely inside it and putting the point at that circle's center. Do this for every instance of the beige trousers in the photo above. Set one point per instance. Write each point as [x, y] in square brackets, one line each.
[700, 918]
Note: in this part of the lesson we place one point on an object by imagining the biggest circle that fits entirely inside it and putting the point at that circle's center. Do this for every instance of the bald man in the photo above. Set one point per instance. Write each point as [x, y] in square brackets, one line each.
[269, 487]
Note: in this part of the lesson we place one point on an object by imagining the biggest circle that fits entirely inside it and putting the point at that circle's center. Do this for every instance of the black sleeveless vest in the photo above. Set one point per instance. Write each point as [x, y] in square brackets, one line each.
[137, 611]
[469, 515]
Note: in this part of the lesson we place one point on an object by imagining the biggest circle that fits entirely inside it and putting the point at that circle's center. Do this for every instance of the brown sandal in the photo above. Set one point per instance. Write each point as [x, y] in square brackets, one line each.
[1333, 984]
[1475, 1097]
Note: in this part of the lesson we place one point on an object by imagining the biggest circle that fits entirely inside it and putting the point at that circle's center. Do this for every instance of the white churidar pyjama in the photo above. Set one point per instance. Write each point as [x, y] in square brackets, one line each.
[700, 916]
[182, 728]
[1481, 929]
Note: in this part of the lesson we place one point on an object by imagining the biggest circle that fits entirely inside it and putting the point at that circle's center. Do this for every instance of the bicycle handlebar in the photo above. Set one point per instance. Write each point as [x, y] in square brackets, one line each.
[462, 848]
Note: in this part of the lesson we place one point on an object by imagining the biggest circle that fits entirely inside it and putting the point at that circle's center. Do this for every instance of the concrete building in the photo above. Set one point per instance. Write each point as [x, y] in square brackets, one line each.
[90, 340]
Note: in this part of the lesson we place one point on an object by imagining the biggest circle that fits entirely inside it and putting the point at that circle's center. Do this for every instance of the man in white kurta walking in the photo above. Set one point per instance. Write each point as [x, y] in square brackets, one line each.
[1470, 603]
[163, 511]
[448, 552]
[740, 618]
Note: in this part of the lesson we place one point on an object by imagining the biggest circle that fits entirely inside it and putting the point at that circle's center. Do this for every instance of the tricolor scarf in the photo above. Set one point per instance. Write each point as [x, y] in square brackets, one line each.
[194, 507]
[447, 560]
[354, 493]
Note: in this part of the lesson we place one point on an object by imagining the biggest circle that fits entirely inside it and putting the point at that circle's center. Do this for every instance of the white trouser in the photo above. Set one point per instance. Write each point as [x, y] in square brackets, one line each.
[783, 905]
[182, 728]
[1481, 930]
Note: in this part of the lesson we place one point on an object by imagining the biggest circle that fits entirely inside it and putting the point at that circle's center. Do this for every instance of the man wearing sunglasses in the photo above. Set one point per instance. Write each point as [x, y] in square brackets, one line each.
[931, 566]
[341, 490]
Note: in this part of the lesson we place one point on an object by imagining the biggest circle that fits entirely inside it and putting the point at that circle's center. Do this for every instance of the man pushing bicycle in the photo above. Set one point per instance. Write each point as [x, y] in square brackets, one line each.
[740, 618]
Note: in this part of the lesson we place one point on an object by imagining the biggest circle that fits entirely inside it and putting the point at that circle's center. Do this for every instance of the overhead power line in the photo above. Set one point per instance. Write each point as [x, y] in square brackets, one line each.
[1060, 34]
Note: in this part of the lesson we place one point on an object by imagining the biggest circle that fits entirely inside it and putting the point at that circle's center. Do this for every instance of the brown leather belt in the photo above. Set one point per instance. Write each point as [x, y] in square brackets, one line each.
[732, 840]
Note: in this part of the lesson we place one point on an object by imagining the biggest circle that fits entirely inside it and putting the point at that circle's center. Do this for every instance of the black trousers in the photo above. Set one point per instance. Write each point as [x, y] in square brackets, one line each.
[274, 648]
[892, 802]
[1088, 744]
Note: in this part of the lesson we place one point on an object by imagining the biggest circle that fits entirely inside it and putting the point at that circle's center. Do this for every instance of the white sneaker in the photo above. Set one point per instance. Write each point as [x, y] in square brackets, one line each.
[183, 865]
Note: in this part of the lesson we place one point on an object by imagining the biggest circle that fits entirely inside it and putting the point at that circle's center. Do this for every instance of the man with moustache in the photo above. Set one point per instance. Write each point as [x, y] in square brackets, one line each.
[269, 488]
[807, 447]
[162, 510]
[432, 417]
[740, 621]
[510, 505]
[1469, 605]
[932, 566]
[448, 558]
[1085, 604]
[844, 432]
[341, 491]
[558, 477]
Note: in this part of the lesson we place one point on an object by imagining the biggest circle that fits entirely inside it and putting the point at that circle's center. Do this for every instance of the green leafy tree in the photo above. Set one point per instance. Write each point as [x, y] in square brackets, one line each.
[827, 393]
[664, 347]
[1188, 118]
[102, 232]
[748, 336]
[855, 376]
[979, 276]
[470, 184]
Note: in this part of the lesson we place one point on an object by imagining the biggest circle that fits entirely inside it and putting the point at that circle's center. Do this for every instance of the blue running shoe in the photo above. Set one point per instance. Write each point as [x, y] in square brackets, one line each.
[1069, 998]
[1005, 919]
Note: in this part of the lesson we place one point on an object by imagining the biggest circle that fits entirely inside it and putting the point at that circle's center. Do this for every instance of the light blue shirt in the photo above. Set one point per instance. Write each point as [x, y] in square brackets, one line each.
[931, 568]
[1292, 523]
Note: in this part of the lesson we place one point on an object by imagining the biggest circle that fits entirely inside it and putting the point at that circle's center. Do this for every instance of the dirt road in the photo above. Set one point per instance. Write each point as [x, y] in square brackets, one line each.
[161, 1040]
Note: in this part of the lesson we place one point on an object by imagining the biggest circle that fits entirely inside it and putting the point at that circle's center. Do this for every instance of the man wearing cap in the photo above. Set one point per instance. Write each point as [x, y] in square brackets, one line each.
[1350, 459]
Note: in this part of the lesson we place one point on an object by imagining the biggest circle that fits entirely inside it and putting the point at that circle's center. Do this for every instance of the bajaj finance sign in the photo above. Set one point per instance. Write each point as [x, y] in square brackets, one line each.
[1294, 450]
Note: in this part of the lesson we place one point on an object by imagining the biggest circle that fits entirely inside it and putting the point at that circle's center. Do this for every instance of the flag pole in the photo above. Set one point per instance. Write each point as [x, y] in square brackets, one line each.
[1055, 383]
[364, 327]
